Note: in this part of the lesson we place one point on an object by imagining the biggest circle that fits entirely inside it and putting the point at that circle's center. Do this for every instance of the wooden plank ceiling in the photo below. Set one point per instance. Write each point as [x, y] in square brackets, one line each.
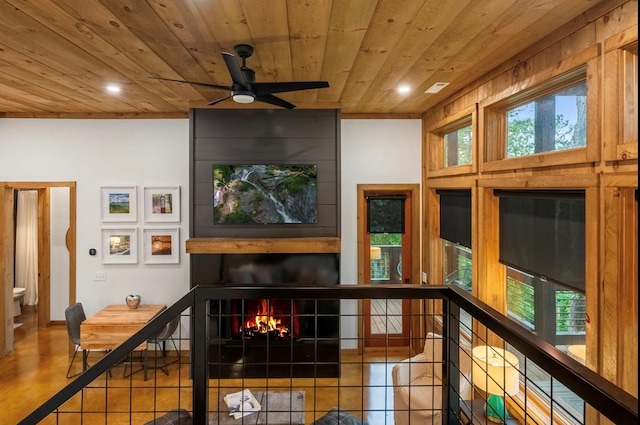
[57, 56]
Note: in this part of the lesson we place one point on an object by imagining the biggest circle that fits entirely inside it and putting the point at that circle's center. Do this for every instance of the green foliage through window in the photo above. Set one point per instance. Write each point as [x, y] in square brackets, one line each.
[457, 147]
[553, 123]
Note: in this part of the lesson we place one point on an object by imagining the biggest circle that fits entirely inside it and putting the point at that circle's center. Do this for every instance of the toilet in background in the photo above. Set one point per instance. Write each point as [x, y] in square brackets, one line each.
[18, 295]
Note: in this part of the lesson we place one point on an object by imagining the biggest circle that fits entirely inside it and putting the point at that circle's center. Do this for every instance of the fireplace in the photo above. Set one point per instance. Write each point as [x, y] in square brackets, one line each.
[276, 320]
[265, 337]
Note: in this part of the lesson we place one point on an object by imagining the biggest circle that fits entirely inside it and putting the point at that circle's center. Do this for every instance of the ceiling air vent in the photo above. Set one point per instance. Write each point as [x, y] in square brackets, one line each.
[436, 87]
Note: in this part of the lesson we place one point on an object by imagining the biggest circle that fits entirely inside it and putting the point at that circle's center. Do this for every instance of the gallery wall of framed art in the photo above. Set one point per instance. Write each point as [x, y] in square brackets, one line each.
[119, 233]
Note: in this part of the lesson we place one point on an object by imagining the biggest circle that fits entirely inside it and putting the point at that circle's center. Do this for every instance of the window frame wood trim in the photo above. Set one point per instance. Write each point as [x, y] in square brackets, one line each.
[584, 66]
[434, 136]
[618, 146]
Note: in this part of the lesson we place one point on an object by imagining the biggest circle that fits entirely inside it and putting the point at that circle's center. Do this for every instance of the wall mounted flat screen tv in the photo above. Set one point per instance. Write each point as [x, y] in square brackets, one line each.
[265, 194]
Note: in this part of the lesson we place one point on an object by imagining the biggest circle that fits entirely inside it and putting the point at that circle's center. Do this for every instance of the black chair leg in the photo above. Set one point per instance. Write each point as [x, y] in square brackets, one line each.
[71, 364]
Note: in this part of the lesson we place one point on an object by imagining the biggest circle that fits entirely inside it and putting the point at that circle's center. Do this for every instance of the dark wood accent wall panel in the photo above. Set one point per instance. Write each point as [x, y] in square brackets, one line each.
[264, 136]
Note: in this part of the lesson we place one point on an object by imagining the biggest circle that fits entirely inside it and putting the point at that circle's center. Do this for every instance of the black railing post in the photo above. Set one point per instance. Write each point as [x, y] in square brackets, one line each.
[451, 368]
[200, 359]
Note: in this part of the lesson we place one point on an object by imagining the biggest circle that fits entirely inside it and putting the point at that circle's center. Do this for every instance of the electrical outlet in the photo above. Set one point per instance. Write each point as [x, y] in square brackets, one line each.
[424, 277]
[100, 276]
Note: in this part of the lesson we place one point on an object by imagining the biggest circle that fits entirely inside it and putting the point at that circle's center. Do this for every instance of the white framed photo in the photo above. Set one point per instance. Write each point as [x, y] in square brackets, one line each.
[118, 204]
[161, 246]
[120, 246]
[162, 204]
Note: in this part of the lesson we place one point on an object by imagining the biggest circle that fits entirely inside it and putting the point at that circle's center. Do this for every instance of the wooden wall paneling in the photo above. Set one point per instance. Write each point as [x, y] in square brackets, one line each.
[593, 218]
[628, 300]
[475, 243]
[608, 318]
[491, 275]
[593, 150]
[545, 181]
[611, 103]
[620, 96]
[620, 17]
[620, 271]
[628, 145]
[611, 226]
[435, 153]
[494, 129]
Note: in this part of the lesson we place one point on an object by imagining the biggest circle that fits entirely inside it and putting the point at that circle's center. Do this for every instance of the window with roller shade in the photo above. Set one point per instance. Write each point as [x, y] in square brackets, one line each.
[542, 243]
[455, 233]
[385, 214]
[542, 233]
[455, 216]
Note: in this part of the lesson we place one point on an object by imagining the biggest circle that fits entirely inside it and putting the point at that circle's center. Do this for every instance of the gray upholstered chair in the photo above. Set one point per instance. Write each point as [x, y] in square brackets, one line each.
[74, 316]
[160, 341]
[161, 338]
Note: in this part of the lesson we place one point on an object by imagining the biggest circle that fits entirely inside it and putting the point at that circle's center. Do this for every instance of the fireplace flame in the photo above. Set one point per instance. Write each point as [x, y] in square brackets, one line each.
[265, 322]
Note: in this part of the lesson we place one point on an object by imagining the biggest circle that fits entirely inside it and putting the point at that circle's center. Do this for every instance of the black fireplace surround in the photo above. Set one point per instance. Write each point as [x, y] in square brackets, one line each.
[310, 346]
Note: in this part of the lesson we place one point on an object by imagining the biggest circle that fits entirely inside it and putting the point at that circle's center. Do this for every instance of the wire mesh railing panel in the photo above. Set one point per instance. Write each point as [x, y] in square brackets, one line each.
[307, 358]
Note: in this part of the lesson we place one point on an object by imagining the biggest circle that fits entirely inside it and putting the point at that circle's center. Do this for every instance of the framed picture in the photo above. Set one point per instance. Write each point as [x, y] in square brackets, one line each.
[161, 246]
[120, 246]
[162, 204]
[118, 204]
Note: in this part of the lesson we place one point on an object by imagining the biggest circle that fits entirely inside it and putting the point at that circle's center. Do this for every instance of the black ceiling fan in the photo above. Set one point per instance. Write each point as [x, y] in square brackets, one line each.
[245, 89]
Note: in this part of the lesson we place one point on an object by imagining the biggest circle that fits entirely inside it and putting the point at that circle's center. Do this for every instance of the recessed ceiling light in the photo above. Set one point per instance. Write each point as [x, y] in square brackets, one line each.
[403, 89]
[113, 88]
[436, 87]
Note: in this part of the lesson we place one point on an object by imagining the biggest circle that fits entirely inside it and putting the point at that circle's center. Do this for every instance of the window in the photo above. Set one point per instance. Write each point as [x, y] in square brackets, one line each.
[543, 233]
[455, 216]
[385, 214]
[455, 233]
[451, 143]
[457, 265]
[457, 146]
[542, 243]
[551, 311]
[544, 124]
[552, 123]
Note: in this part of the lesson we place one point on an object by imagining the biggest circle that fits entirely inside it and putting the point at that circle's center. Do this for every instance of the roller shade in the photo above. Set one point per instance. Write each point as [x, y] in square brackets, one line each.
[543, 233]
[455, 216]
[385, 214]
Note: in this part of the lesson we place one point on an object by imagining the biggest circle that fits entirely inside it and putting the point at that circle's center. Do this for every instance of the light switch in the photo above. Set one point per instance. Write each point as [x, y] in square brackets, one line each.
[100, 276]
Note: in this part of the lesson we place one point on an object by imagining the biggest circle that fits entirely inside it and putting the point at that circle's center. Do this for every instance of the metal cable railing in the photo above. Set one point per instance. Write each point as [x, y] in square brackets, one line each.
[309, 384]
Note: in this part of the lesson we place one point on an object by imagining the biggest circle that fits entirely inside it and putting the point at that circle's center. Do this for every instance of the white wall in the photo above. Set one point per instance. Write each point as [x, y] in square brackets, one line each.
[96, 153]
[59, 263]
[372, 152]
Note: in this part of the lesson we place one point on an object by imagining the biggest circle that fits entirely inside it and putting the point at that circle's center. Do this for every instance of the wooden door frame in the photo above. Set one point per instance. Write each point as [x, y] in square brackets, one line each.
[363, 254]
[7, 219]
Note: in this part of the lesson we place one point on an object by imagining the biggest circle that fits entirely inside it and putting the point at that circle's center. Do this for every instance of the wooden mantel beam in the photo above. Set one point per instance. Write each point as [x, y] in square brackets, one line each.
[307, 245]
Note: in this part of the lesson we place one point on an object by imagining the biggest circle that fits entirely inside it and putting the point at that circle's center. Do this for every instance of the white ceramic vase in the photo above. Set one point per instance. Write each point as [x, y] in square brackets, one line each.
[133, 301]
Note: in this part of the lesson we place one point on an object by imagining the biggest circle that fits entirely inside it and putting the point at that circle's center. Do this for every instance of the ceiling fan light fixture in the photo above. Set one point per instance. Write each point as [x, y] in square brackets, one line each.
[243, 97]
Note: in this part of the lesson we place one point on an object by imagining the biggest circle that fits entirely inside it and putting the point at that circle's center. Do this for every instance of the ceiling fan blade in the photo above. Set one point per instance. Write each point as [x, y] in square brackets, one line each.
[213, 102]
[215, 86]
[267, 98]
[279, 87]
[234, 69]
